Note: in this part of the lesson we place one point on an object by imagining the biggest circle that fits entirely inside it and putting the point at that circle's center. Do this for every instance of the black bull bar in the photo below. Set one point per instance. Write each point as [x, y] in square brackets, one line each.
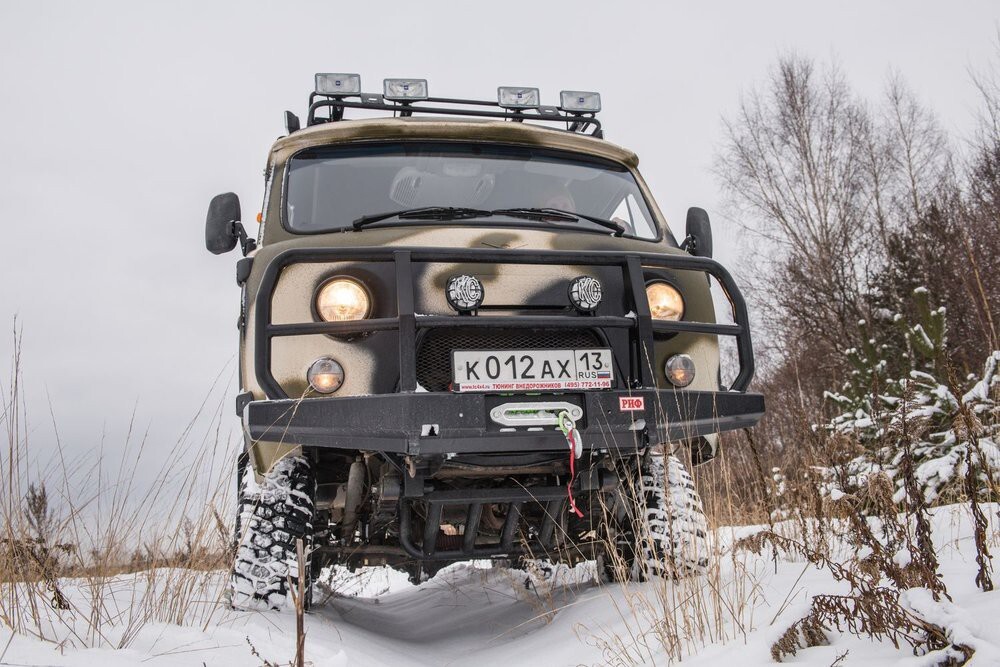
[411, 422]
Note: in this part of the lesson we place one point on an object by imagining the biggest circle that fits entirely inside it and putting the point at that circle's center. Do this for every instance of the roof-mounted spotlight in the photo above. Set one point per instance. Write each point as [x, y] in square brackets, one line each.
[579, 101]
[339, 85]
[513, 97]
[404, 90]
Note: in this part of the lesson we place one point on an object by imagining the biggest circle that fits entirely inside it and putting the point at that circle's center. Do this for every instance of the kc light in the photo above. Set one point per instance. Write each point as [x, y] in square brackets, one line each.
[464, 293]
[404, 90]
[325, 375]
[511, 97]
[580, 101]
[585, 292]
[338, 84]
[679, 369]
[665, 302]
[343, 300]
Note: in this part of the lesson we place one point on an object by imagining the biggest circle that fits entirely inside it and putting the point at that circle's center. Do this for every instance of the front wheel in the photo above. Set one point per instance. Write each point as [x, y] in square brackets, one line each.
[658, 527]
[272, 516]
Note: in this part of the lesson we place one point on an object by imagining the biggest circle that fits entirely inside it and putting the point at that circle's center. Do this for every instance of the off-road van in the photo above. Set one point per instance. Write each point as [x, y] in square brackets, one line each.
[466, 332]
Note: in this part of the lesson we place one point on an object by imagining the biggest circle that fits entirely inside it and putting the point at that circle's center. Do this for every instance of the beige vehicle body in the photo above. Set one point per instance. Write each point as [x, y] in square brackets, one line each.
[397, 451]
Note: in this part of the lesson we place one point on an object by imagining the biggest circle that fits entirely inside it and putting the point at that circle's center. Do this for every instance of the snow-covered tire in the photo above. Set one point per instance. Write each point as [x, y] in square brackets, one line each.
[272, 515]
[666, 533]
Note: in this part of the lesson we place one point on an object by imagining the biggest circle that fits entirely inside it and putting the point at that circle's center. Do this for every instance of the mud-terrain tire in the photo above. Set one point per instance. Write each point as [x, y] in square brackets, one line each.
[271, 516]
[664, 532]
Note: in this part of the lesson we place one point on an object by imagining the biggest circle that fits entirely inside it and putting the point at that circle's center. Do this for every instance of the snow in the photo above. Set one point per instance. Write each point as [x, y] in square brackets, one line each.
[961, 625]
[475, 614]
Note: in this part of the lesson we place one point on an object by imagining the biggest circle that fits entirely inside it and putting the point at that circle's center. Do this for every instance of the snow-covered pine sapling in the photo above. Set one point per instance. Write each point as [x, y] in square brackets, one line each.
[873, 410]
[862, 397]
[927, 340]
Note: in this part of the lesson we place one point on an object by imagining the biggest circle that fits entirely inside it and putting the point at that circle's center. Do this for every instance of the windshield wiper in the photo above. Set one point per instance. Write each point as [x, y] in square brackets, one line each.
[559, 214]
[464, 213]
[424, 213]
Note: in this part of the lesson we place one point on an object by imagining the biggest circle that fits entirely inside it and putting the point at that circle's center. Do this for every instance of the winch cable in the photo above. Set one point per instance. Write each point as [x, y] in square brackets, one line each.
[572, 435]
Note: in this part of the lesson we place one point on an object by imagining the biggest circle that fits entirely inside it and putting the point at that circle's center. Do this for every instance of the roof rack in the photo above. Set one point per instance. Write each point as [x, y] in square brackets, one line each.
[327, 108]
[585, 123]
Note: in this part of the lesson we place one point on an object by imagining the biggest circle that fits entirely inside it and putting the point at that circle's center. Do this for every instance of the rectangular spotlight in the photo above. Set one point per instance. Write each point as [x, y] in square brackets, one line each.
[338, 84]
[512, 97]
[579, 101]
[404, 90]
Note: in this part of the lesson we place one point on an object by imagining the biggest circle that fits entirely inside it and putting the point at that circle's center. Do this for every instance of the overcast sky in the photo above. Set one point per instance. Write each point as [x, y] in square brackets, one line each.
[120, 120]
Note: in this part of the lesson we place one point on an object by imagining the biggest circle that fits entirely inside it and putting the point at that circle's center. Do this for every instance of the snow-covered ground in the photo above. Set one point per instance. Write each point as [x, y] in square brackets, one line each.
[474, 615]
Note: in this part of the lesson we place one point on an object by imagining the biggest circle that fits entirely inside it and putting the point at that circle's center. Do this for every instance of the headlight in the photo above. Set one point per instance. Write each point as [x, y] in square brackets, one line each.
[343, 300]
[665, 302]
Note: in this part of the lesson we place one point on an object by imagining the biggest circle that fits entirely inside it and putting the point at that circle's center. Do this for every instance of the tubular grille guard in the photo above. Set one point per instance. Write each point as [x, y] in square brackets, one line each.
[641, 327]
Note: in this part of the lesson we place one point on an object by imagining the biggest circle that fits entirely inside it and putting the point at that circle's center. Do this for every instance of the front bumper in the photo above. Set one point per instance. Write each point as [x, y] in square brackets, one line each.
[439, 423]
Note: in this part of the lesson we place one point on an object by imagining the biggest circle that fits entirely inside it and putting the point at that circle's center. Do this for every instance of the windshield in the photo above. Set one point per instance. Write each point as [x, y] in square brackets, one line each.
[330, 187]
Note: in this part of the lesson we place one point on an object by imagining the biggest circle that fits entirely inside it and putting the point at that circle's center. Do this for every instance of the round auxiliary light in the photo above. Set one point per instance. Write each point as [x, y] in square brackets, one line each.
[665, 302]
[464, 293]
[585, 292]
[325, 375]
[679, 369]
[343, 299]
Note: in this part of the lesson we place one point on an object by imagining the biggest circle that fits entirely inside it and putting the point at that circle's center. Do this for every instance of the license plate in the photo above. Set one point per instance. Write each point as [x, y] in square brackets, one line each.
[531, 370]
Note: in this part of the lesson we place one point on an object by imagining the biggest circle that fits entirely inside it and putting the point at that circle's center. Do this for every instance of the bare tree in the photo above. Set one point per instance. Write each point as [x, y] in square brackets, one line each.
[919, 153]
[794, 164]
[981, 225]
[948, 237]
[824, 183]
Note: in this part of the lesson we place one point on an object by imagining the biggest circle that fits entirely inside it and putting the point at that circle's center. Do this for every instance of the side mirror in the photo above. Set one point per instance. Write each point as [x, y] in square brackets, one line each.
[222, 226]
[699, 233]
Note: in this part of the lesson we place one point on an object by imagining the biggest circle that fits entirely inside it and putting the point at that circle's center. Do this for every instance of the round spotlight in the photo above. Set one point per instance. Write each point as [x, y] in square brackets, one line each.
[325, 375]
[679, 369]
[464, 293]
[585, 293]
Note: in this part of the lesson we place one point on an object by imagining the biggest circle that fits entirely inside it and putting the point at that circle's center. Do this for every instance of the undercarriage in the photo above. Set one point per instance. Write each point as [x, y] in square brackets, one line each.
[471, 506]
[637, 515]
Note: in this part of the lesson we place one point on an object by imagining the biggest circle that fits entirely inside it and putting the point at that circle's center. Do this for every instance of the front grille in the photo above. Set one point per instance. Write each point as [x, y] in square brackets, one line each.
[434, 348]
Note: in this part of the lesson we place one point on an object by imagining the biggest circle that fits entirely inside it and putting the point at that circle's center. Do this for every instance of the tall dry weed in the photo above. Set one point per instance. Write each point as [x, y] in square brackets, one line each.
[94, 548]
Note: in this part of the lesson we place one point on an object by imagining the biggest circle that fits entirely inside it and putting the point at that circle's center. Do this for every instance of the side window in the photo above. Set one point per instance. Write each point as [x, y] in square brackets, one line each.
[630, 212]
[622, 213]
[642, 227]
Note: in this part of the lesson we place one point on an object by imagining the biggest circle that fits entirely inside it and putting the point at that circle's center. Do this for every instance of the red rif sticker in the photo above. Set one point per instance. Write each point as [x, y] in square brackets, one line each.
[631, 403]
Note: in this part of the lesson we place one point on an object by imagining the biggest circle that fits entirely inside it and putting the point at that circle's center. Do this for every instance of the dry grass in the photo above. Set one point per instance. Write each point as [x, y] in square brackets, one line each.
[89, 552]
[764, 504]
[671, 619]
